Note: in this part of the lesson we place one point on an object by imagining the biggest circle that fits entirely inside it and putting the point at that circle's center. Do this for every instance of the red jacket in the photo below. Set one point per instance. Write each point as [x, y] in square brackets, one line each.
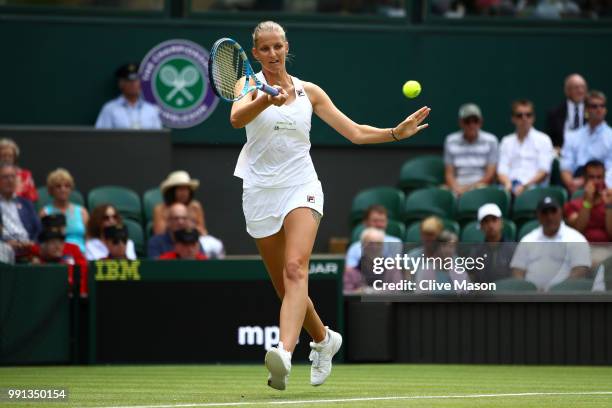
[173, 255]
[71, 256]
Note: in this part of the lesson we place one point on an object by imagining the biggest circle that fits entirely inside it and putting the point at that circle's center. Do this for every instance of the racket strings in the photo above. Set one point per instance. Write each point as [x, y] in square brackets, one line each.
[228, 67]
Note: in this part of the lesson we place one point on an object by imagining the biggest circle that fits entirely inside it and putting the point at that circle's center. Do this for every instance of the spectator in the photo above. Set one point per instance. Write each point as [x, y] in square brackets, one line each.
[552, 252]
[496, 250]
[129, 110]
[178, 219]
[591, 214]
[7, 255]
[375, 217]
[525, 157]
[593, 141]
[446, 250]
[372, 241]
[569, 114]
[60, 184]
[470, 155]
[9, 153]
[103, 216]
[53, 248]
[179, 187]
[431, 228]
[115, 239]
[186, 246]
[21, 225]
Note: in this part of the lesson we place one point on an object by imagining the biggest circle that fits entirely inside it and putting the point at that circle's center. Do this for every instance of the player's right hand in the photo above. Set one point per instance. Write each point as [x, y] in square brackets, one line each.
[279, 99]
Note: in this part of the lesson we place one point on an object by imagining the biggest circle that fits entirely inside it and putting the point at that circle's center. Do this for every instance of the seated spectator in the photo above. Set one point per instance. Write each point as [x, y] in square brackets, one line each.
[470, 155]
[7, 255]
[186, 246]
[60, 184]
[178, 219]
[525, 156]
[496, 251]
[591, 214]
[179, 187]
[445, 250]
[115, 239]
[375, 217]
[590, 142]
[430, 229]
[355, 279]
[21, 225]
[570, 114]
[129, 110]
[9, 153]
[53, 248]
[553, 252]
[103, 216]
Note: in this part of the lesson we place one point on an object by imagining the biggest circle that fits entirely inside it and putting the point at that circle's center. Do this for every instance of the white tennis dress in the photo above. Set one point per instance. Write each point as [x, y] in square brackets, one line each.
[275, 165]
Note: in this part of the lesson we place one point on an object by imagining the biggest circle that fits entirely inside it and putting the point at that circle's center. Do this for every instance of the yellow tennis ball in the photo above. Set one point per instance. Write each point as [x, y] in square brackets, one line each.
[411, 89]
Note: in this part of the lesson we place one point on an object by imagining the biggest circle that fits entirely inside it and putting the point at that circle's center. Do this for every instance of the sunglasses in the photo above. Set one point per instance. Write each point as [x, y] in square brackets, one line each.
[520, 115]
[596, 105]
[108, 217]
[473, 119]
[117, 241]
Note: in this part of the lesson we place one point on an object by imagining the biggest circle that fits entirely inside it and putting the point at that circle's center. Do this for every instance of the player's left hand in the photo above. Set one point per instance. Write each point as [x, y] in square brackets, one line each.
[412, 124]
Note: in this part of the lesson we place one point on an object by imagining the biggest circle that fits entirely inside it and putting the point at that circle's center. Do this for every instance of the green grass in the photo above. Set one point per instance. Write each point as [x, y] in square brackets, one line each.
[103, 386]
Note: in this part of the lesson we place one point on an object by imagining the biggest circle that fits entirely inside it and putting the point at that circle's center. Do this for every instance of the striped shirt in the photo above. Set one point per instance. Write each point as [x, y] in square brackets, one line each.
[470, 159]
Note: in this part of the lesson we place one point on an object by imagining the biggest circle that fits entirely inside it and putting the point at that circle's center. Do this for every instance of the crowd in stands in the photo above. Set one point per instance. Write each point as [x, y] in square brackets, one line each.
[553, 248]
[527, 9]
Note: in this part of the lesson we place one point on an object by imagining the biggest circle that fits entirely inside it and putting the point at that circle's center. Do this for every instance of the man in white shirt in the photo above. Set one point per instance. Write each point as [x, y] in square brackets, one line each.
[525, 157]
[553, 252]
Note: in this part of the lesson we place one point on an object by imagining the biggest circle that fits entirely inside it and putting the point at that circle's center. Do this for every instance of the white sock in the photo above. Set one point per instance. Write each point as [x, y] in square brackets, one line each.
[326, 339]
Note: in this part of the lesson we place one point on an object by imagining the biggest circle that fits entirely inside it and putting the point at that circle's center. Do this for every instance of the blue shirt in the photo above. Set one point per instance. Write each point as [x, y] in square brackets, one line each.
[585, 144]
[119, 114]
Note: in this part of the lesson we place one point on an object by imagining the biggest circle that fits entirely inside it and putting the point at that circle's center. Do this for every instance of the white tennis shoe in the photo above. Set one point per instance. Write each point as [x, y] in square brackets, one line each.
[321, 356]
[278, 363]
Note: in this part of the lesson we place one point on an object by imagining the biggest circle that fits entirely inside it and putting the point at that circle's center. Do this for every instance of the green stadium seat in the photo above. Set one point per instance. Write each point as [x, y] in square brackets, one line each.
[149, 230]
[429, 201]
[126, 201]
[389, 197]
[394, 228]
[44, 198]
[471, 233]
[413, 232]
[423, 171]
[136, 234]
[526, 228]
[525, 205]
[150, 199]
[469, 202]
[573, 285]
[515, 285]
[578, 193]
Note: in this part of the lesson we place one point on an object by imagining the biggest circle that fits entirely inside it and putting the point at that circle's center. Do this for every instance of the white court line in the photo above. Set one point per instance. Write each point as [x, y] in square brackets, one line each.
[324, 401]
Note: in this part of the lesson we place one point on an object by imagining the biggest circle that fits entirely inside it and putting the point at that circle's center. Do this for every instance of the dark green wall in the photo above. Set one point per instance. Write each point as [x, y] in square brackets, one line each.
[59, 70]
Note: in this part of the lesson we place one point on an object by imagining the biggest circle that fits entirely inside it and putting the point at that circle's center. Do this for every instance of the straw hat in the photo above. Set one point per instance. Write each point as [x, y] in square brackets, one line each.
[179, 178]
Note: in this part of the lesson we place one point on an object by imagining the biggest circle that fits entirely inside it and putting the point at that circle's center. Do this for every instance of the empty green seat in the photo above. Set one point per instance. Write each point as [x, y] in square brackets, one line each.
[573, 285]
[423, 171]
[471, 232]
[389, 197]
[429, 201]
[527, 228]
[525, 205]
[469, 202]
[126, 201]
[44, 198]
[515, 285]
[394, 228]
[150, 199]
[413, 232]
[136, 234]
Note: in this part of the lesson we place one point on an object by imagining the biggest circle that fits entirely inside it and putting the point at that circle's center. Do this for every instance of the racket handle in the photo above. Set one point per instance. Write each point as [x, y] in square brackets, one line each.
[268, 89]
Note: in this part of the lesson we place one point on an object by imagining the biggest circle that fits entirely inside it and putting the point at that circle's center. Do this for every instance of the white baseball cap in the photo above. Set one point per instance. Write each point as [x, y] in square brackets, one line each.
[488, 209]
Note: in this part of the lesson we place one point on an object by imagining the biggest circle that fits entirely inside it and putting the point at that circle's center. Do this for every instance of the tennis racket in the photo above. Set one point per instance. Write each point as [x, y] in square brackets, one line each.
[228, 63]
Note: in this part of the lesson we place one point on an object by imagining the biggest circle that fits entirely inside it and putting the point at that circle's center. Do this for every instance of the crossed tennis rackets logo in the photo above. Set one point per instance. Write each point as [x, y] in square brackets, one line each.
[179, 81]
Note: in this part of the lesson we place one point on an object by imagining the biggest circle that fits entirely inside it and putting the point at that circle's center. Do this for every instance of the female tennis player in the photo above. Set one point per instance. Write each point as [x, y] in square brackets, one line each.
[282, 197]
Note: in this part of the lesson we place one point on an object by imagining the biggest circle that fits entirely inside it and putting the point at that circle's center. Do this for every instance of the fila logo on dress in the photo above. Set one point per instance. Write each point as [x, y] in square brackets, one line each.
[310, 198]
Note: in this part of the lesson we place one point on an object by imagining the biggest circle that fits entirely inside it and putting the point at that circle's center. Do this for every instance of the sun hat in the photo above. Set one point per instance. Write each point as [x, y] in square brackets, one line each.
[179, 178]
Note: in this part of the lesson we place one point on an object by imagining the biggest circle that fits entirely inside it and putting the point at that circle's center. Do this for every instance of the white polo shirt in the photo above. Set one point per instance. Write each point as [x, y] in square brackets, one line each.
[549, 260]
[522, 160]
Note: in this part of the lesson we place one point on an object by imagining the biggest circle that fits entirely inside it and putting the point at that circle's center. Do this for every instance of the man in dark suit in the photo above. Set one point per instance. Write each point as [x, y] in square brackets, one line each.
[569, 115]
[19, 218]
